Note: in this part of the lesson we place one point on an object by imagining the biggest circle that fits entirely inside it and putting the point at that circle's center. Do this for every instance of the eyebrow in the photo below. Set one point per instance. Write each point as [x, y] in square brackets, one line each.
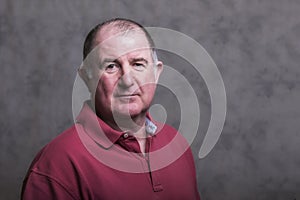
[109, 60]
[139, 60]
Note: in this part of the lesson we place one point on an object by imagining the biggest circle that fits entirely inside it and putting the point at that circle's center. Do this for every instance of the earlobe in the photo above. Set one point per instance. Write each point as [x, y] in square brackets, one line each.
[159, 69]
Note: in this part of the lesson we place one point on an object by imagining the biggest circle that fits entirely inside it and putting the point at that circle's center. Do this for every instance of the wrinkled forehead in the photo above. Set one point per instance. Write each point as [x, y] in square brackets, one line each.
[115, 43]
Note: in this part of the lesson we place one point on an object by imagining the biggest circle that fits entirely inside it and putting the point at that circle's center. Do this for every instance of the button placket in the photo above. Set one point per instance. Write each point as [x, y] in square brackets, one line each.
[154, 175]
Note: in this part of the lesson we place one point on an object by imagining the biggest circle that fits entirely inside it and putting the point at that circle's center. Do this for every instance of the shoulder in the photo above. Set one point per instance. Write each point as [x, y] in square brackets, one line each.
[53, 169]
[165, 129]
[168, 136]
[175, 141]
[64, 142]
[58, 154]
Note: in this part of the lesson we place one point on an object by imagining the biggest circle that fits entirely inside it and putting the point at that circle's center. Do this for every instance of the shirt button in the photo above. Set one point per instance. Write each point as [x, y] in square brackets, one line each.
[125, 135]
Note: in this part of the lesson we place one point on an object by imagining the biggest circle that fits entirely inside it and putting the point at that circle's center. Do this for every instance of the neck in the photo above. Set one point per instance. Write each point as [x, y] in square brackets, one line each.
[128, 123]
[120, 122]
[134, 124]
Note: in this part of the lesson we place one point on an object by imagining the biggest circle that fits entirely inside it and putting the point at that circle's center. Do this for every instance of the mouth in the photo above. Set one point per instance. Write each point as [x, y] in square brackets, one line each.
[126, 95]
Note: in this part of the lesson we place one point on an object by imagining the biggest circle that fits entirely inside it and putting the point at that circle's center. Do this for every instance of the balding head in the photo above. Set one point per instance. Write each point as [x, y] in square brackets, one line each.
[115, 26]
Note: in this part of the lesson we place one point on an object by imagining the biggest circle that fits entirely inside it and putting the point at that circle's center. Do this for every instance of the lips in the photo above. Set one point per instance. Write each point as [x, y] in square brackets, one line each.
[126, 95]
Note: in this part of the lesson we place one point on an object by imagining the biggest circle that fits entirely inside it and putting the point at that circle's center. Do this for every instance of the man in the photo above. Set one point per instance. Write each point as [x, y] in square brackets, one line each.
[115, 150]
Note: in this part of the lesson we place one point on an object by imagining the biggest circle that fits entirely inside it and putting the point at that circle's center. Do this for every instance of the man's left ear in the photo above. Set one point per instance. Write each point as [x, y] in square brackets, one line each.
[158, 69]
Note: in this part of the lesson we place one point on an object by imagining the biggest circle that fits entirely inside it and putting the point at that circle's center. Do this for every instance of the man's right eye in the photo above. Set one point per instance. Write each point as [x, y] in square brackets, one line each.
[111, 68]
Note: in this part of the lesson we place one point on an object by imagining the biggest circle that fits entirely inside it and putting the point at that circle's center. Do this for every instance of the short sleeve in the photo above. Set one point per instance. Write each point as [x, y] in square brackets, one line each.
[38, 186]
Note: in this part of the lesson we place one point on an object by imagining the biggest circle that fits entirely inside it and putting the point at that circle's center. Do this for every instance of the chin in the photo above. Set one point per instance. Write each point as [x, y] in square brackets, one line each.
[129, 110]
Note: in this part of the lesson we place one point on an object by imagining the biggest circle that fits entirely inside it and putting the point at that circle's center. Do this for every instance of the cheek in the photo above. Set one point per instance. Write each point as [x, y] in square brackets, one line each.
[148, 91]
[147, 80]
[105, 89]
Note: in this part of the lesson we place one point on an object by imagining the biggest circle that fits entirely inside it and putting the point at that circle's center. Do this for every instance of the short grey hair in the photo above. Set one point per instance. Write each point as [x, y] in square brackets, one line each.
[121, 24]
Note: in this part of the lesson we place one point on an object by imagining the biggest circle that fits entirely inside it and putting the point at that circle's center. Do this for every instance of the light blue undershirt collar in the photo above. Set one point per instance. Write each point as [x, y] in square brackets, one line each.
[150, 127]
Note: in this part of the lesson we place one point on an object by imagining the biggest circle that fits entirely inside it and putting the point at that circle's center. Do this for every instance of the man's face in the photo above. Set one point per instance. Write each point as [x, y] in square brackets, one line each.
[126, 72]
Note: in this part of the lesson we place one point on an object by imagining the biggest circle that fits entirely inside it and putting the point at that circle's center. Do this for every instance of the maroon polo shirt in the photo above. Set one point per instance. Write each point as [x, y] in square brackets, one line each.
[93, 161]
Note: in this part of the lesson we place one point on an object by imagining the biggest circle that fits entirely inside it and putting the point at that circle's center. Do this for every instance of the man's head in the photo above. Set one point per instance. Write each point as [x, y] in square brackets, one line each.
[124, 70]
[119, 24]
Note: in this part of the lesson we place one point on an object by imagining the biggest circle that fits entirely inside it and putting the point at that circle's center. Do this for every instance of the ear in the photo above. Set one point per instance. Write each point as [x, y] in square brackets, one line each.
[84, 76]
[158, 69]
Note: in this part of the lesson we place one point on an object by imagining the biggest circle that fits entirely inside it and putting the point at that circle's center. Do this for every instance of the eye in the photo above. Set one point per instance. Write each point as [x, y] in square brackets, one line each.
[139, 66]
[111, 68]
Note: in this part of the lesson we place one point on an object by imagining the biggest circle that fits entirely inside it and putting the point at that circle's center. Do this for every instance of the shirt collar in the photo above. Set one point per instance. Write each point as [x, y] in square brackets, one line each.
[101, 132]
[150, 127]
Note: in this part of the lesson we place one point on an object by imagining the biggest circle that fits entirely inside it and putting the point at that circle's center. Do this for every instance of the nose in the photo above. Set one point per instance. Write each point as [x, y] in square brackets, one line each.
[126, 79]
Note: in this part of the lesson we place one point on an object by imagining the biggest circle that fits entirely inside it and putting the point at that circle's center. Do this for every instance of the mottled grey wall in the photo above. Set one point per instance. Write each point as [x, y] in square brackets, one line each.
[255, 44]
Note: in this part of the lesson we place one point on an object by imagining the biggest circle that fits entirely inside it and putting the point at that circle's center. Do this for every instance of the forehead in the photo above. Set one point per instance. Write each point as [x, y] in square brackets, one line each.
[115, 43]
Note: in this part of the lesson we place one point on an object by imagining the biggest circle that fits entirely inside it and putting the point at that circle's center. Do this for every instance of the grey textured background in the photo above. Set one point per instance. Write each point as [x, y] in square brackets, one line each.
[255, 44]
